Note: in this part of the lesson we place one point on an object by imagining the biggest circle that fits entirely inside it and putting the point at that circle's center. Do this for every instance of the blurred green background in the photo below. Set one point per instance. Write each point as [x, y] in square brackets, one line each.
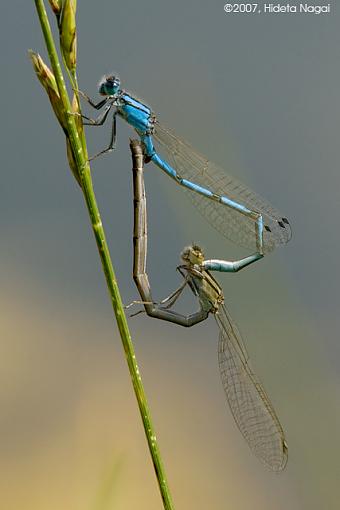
[257, 94]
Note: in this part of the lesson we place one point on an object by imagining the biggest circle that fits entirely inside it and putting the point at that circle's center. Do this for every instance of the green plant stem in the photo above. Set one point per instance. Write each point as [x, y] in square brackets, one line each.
[87, 188]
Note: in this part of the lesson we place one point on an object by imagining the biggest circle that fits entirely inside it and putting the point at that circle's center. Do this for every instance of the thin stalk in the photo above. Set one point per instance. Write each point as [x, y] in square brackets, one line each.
[98, 230]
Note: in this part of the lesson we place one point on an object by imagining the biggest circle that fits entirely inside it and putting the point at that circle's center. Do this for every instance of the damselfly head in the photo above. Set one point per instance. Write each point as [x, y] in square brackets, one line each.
[193, 255]
[109, 85]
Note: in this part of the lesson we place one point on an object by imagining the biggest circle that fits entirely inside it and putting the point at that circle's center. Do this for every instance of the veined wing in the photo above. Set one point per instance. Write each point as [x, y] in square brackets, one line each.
[230, 223]
[248, 401]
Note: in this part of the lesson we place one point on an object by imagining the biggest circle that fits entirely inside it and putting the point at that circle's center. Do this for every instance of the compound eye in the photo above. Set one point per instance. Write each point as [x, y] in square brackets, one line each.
[185, 255]
[108, 85]
[197, 250]
[113, 81]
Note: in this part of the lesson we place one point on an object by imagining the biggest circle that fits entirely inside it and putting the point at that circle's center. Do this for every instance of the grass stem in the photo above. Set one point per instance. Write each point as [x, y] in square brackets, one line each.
[83, 168]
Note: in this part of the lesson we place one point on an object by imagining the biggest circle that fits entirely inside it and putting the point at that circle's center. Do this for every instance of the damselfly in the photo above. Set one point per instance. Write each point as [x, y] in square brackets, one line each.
[232, 208]
[248, 401]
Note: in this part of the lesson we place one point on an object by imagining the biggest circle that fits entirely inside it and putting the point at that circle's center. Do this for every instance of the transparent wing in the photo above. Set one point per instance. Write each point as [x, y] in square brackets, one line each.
[249, 404]
[230, 223]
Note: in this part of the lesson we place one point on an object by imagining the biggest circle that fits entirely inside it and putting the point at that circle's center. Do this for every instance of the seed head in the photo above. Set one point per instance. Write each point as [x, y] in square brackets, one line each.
[68, 34]
[47, 80]
[56, 6]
